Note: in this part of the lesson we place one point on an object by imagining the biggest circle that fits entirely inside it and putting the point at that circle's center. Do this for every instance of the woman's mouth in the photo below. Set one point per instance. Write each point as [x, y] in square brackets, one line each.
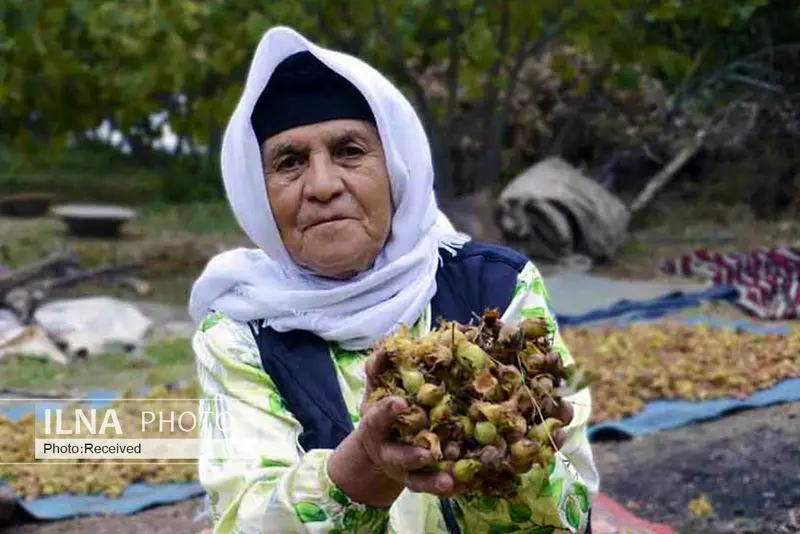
[322, 222]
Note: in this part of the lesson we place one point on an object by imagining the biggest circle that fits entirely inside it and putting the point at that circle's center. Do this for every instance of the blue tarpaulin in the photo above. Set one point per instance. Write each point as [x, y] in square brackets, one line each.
[656, 416]
[669, 414]
[134, 499]
[628, 311]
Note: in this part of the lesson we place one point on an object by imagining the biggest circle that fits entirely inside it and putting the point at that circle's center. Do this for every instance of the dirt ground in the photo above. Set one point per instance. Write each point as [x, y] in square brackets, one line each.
[747, 464]
[168, 519]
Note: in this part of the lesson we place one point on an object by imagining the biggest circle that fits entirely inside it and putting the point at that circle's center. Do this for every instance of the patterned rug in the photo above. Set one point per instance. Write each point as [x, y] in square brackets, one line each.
[768, 280]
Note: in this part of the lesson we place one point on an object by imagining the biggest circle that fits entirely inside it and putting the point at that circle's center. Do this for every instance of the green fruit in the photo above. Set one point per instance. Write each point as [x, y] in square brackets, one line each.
[546, 457]
[485, 432]
[472, 356]
[543, 432]
[535, 327]
[442, 411]
[411, 421]
[465, 470]
[467, 426]
[523, 453]
[412, 380]
[430, 394]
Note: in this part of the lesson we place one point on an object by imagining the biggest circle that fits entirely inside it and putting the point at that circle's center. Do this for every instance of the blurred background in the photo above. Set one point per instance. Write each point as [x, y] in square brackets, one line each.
[646, 155]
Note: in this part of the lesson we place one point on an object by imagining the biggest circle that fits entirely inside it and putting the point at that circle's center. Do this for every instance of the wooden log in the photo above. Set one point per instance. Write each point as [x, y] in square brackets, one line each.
[56, 264]
[661, 179]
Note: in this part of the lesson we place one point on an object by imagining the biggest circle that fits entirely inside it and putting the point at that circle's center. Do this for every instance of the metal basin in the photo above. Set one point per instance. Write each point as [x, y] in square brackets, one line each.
[94, 220]
[26, 204]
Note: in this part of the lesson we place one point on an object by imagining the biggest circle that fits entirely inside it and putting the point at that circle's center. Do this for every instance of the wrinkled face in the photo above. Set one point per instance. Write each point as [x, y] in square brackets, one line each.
[329, 192]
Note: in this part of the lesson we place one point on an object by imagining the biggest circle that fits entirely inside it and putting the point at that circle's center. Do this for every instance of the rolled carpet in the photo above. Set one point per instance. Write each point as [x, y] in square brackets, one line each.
[552, 211]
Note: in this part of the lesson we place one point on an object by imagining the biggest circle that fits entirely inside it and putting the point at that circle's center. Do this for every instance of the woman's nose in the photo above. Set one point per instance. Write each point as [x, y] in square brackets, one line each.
[323, 181]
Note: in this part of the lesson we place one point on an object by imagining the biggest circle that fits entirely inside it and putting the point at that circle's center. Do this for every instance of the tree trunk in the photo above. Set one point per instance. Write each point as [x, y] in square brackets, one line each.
[566, 134]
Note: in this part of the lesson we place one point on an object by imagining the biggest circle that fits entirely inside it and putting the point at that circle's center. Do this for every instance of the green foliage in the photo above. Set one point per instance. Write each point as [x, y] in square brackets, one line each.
[165, 362]
[68, 65]
[86, 173]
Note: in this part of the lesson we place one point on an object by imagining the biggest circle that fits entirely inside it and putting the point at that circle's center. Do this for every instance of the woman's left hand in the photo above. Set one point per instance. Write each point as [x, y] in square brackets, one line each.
[440, 484]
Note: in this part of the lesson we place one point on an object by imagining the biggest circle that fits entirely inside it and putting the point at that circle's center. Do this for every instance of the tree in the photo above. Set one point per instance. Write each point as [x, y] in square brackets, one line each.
[479, 48]
[68, 65]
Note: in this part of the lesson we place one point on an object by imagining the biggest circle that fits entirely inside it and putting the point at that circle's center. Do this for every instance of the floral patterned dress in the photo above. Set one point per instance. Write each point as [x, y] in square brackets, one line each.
[283, 489]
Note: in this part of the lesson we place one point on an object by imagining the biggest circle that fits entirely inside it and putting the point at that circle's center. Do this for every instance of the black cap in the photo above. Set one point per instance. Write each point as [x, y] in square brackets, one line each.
[302, 91]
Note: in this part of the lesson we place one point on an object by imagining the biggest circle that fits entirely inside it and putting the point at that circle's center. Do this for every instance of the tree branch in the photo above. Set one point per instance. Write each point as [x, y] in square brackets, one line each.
[400, 69]
[552, 32]
[473, 10]
[513, 76]
[491, 136]
[680, 94]
[524, 52]
[753, 82]
[660, 180]
[440, 137]
[452, 67]
[745, 61]
[565, 134]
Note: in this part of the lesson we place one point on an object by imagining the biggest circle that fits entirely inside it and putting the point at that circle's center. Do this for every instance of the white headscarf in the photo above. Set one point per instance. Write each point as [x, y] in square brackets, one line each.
[265, 284]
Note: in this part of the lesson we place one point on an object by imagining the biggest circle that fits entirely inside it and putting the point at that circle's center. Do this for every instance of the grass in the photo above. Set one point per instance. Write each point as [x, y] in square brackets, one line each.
[673, 227]
[91, 173]
[200, 218]
[165, 362]
[174, 242]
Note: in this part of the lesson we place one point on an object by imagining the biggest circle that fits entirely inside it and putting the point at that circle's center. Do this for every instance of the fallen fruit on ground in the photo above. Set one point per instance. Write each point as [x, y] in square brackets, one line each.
[643, 363]
[31, 478]
[701, 506]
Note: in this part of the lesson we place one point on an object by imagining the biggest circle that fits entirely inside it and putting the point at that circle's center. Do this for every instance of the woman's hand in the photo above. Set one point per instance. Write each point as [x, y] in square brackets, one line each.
[372, 470]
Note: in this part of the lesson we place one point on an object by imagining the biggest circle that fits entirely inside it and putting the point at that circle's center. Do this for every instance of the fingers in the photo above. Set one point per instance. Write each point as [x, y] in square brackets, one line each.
[441, 484]
[405, 457]
[559, 438]
[565, 412]
[380, 417]
[375, 365]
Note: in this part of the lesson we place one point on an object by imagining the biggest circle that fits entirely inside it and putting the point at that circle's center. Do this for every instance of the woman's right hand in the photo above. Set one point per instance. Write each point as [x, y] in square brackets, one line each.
[372, 470]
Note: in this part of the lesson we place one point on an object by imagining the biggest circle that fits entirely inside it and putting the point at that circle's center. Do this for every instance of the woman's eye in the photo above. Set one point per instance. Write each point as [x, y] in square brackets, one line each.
[288, 163]
[351, 151]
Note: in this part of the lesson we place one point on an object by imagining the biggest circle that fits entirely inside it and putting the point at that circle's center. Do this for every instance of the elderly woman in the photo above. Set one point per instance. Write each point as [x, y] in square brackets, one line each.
[328, 171]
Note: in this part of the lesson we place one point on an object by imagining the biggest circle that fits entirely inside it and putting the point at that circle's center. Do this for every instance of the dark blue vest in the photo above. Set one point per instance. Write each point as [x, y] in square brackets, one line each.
[480, 276]
[299, 363]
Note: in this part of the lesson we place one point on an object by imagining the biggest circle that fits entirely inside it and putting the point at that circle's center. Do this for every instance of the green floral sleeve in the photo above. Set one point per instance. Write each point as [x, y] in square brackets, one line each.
[256, 477]
[283, 490]
[552, 501]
